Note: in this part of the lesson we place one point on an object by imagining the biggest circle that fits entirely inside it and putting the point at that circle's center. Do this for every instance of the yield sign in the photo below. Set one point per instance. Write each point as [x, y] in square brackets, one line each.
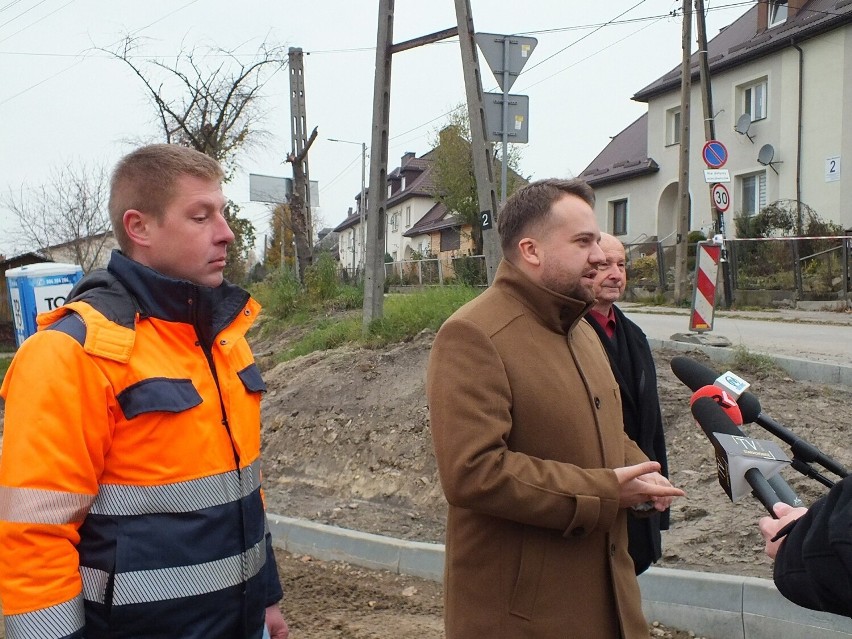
[492, 47]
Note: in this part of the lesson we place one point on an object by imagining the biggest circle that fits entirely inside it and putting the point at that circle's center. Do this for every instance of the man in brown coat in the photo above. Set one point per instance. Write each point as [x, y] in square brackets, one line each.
[528, 435]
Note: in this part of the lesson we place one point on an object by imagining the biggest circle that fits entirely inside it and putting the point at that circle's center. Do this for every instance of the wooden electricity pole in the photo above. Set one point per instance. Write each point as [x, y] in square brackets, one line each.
[680, 283]
[374, 263]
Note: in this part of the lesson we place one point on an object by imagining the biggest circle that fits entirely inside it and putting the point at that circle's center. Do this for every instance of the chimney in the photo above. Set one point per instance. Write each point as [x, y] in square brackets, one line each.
[762, 15]
[409, 155]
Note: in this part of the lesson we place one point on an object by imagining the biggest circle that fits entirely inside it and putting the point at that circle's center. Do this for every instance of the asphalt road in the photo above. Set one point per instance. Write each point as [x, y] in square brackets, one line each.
[820, 336]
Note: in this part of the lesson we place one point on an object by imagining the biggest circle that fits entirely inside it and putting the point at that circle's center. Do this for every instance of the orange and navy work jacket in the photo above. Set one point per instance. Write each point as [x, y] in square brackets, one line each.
[130, 500]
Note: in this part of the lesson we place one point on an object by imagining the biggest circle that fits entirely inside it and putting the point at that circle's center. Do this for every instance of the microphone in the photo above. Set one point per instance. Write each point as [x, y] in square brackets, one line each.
[697, 376]
[732, 447]
[802, 449]
[732, 410]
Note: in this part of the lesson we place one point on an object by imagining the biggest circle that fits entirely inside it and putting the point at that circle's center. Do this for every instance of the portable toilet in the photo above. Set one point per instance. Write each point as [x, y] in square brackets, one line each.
[35, 288]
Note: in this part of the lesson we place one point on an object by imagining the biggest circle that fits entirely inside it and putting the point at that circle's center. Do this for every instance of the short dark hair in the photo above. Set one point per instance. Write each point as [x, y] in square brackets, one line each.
[531, 204]
[145, 180]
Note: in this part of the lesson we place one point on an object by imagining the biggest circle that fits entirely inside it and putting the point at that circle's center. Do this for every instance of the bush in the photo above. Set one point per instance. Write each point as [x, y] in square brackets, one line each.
[470, 271]
[643, 268]
[322, 279]
[279, 294]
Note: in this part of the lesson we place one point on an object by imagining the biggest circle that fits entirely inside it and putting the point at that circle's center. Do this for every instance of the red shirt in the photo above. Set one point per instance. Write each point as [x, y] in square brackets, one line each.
[607, 322]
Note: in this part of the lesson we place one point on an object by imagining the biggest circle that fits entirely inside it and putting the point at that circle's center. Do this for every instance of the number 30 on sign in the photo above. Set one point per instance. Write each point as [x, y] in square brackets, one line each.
[721, 197]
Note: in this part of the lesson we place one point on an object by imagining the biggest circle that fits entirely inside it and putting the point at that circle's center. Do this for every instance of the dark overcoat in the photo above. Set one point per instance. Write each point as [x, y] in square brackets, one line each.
[526, 424]
[633, 366]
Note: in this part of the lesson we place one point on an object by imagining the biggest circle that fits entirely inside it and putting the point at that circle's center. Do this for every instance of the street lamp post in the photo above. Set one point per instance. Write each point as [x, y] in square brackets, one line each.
[362, 205]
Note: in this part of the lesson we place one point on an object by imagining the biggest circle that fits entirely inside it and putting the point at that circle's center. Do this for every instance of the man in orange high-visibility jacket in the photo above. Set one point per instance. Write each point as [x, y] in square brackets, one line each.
[130, 498]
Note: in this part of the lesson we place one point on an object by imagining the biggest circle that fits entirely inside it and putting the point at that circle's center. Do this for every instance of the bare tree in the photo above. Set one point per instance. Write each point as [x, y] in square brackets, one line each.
[66, 218]
[213, 108]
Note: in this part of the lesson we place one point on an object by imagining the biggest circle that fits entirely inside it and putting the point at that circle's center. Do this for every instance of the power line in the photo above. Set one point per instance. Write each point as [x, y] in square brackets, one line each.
[37, 21]
[9, 21]
[85, 54]
[9, 6]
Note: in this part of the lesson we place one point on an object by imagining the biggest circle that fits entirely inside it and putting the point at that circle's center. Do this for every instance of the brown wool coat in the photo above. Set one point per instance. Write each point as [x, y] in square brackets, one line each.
[526, 423]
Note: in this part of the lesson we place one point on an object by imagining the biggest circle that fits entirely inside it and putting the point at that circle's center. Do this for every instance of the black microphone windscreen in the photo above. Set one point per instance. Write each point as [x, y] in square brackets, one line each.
[694, 374]
[712, 418]
[749, 407]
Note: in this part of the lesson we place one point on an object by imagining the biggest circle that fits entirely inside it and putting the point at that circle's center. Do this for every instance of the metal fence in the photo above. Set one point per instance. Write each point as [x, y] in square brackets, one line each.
[468, 269]
[803, 268]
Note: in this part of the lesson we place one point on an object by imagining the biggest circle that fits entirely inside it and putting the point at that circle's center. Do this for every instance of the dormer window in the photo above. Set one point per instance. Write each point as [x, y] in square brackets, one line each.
[402, 184]
[777, 12]
[390, 189]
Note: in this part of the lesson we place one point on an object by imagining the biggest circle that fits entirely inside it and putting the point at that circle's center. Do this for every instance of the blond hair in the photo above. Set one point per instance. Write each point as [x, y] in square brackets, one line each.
[145, 179]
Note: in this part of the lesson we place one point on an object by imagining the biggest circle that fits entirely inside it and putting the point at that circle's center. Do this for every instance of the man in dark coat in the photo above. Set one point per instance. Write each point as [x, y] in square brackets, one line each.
[812, 549]
[633, 367]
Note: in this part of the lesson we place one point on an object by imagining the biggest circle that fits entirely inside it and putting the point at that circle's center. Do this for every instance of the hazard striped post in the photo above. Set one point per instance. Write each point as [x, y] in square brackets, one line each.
[704, 294]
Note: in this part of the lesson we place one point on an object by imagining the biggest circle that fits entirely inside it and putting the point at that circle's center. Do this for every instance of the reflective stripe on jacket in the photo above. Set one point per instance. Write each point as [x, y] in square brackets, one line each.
[130, 500]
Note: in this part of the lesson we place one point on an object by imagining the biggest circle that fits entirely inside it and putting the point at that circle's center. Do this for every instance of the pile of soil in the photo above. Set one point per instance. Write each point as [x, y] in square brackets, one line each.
[346, 442]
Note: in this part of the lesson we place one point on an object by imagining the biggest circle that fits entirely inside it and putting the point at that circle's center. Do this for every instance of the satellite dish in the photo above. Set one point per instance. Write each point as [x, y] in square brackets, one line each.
[743, 125]
[766, 157]
[766, 154]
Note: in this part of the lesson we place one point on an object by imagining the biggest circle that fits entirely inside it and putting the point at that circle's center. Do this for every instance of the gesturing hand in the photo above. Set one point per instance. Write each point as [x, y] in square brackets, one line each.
[643, 482]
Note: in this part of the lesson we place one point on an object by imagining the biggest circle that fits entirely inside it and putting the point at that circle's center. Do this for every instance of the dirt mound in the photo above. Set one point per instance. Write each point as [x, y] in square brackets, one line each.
[347, 443]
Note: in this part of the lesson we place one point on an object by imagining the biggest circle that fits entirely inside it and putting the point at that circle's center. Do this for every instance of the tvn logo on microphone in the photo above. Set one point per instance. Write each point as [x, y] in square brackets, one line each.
[736, 454]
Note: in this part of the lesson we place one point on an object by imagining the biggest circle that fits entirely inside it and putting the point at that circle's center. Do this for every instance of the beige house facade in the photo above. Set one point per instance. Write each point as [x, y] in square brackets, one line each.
[781, 78]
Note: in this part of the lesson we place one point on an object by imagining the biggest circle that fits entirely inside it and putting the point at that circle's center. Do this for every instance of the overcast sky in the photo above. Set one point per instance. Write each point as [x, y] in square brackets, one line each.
[63, 102]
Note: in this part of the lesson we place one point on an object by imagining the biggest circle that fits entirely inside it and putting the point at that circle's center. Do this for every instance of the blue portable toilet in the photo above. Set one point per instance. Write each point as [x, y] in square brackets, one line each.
[35, 288]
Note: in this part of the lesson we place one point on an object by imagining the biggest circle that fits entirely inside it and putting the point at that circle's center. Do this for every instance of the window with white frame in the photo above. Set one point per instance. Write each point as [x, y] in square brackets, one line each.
[752, 193]
[777, 12]
[407, 216]
[618, 215]
[393, 222]
[402, 184]
[673, 126]
[753, 97]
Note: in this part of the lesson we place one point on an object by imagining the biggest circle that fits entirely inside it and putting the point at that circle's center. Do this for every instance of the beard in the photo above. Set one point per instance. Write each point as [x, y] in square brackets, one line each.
[560, 280]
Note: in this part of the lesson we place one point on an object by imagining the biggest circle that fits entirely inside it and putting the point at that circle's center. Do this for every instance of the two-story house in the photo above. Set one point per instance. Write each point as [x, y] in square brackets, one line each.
[417, 224]
[781, 78]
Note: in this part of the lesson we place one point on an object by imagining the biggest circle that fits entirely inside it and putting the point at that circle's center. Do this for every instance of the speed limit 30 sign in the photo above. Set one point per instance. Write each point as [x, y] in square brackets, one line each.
[721, 197]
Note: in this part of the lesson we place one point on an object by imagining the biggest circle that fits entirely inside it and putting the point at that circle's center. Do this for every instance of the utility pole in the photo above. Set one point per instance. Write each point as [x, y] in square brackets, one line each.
[710, 134]
[374, 267]
[683, 165]
[301, 205]
[483, 168]
[362, 204]
[374, 270]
